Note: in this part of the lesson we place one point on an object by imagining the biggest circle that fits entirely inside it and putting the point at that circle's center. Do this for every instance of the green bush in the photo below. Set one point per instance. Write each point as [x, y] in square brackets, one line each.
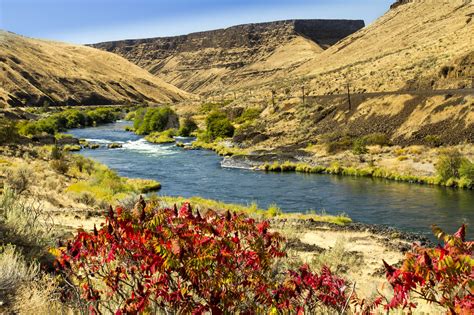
[338, 146]
[432, 141]
[359, 147]
[60, 166]
[187, 127]
[449, 163]
[377, 138]
[8, 131]
[19, 179]
[219, 126]
[248, 115]
[209, 107]
[71, 118]
[466, 170]
[149, 120]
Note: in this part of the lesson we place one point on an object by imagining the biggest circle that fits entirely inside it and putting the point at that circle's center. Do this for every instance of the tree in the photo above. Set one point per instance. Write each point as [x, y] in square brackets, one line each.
[219, 126]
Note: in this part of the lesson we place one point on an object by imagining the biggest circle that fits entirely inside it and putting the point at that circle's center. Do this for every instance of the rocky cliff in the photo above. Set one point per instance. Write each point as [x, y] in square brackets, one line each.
[205, 61]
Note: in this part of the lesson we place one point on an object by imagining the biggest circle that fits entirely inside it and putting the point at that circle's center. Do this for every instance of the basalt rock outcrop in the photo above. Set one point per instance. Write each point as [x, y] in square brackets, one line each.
[206, 61]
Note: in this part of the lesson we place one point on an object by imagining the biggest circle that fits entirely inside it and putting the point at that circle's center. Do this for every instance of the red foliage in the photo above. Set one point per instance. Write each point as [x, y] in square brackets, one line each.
[151, 258]
[443, 275]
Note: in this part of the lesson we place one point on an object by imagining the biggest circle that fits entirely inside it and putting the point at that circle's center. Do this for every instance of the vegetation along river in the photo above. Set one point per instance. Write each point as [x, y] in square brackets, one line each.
[187, 173]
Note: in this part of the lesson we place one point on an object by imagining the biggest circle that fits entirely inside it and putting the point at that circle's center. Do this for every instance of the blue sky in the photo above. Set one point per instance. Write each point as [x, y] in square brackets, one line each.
[90, 21]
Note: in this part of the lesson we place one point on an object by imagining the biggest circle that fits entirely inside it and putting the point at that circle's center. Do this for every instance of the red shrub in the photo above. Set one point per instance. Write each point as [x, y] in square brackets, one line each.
[151, 258]
[443, 275]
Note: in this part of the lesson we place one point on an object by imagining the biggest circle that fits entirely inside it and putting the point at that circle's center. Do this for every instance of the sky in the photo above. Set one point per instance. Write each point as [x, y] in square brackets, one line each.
[92, 21]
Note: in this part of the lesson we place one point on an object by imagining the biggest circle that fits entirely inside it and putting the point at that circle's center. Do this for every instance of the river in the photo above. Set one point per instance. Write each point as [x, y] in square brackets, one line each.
[187, 173]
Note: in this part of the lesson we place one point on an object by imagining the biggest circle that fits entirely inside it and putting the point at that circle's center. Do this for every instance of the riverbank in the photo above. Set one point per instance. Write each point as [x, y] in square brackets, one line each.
[352, 250]
[413, 164]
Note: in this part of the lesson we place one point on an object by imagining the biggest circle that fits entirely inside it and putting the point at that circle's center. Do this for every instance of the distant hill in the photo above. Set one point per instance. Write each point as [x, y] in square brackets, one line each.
[37, 72]
[417, 47]
[226, 58]
[419, 44]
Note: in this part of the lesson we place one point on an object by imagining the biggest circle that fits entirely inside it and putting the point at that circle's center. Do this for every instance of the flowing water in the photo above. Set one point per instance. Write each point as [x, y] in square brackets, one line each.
[188, 173]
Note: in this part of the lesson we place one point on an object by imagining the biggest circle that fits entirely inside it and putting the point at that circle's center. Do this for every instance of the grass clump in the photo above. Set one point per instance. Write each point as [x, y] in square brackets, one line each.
[72, 147]
[105, 185]
[24, 221]
[337, 258]
[166, 136]
[219, 148]
[273, 211]
[19, 178]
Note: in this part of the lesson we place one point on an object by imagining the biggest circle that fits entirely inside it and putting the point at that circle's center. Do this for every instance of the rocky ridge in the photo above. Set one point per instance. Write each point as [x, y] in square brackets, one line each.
[200, 62]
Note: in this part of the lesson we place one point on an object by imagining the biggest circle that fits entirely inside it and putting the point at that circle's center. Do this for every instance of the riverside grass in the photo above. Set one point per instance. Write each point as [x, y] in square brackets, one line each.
[105, 185]
[219, 148]
[373, 172]
[272, 212]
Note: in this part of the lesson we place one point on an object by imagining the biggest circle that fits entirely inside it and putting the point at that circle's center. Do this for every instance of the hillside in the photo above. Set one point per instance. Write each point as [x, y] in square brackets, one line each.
[37, 72]
[417, 47]
[422, 44]
[226, 58]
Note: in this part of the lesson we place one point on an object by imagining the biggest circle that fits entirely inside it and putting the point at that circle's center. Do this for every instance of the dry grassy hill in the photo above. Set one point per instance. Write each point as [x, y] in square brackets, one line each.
[38, 72]
[224, 59]
[419, 44]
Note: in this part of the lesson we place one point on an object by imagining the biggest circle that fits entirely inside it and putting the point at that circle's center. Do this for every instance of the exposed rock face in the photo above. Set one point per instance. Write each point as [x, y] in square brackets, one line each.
[399, 3]
[199, 61]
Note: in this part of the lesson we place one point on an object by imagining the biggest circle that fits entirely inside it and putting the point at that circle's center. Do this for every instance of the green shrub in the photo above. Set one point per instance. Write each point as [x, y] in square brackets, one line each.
[288, 167]
[60, 166]
[248, 115]
[449, 163]
[219, 126]
[24, 220]
[187, 127]
[148, 120]
[466, 170]
[130, 116]
[72, 147]
[432, 141]
[8, 131]
[338, 146]
[71, 118]
[19, 178]
[359, 147]
[377, 138]
[273, 210]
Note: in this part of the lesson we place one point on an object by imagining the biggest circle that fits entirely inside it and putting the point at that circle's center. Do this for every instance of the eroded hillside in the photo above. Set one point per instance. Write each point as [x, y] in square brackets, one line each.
[36, 72]
[226, 58]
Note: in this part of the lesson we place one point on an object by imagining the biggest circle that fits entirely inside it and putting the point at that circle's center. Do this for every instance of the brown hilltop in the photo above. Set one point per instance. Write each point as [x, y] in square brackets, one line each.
[201, 62]
[38, 72]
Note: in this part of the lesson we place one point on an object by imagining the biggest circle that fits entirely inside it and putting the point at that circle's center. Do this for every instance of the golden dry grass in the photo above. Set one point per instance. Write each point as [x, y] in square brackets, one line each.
[35, 70]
